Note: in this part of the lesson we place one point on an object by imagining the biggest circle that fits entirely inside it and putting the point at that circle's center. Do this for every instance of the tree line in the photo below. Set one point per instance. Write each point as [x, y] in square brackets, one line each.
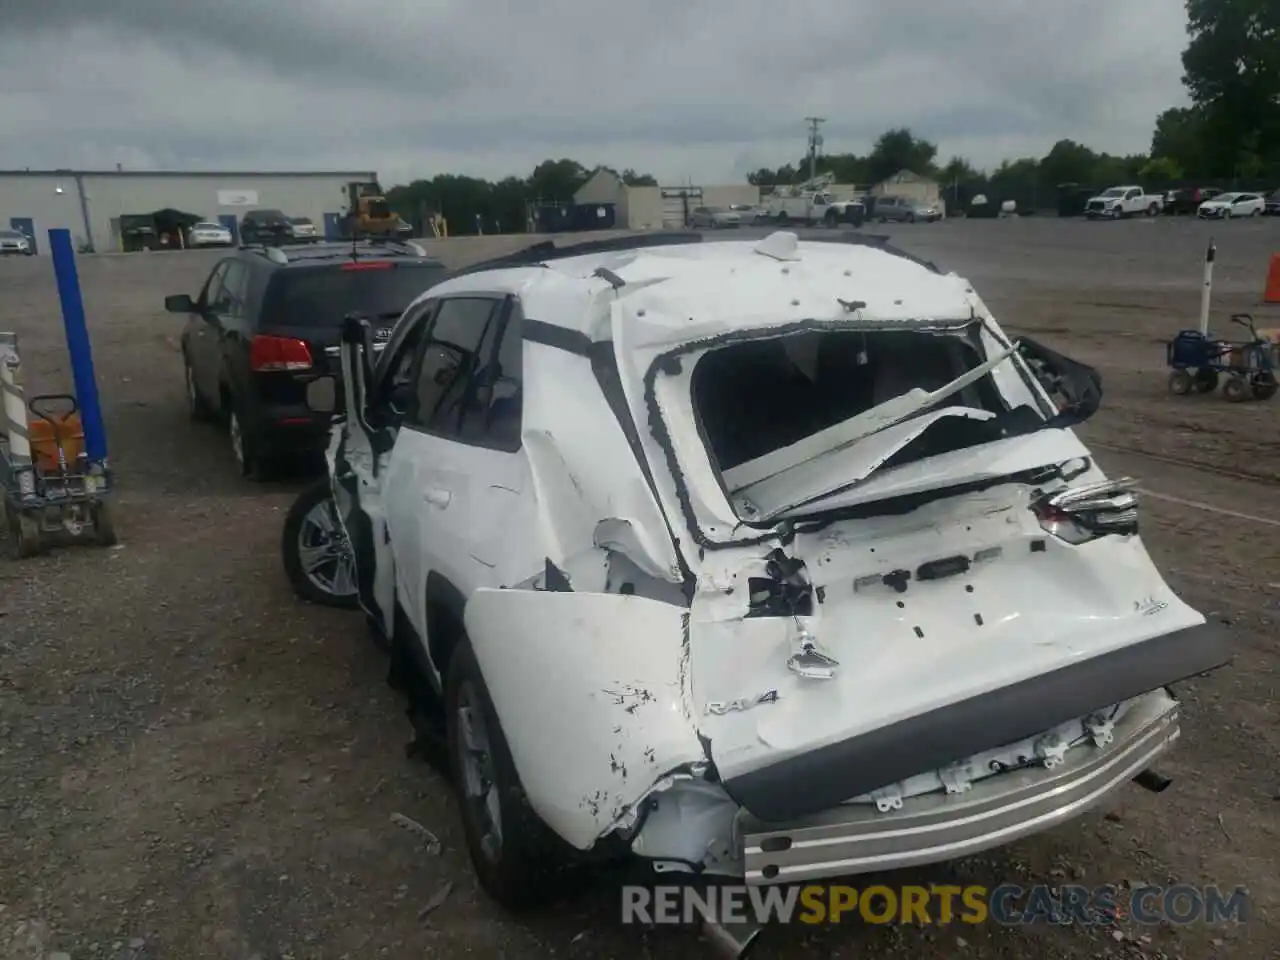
[1230, 135]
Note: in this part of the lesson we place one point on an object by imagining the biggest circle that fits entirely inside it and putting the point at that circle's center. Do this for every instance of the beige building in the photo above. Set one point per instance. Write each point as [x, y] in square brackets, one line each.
[655, 208]
[904, 183]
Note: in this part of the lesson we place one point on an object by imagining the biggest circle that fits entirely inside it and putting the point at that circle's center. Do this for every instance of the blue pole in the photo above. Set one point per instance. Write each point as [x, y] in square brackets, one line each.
[64, 270]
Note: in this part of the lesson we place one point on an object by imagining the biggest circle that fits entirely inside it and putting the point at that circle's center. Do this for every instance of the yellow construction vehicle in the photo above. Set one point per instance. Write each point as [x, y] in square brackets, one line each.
[368, 213]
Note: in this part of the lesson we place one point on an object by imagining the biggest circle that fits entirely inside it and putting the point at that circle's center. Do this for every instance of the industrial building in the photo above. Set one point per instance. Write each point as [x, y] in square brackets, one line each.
[91, 203]
[646, 208]
[651, 208]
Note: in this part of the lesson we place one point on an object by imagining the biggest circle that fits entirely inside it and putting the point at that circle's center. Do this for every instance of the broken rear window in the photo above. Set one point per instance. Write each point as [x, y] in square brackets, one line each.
[757, 400]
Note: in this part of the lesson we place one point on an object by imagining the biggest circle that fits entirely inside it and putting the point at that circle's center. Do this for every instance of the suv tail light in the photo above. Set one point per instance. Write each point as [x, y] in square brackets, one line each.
[268, 354]
[1080, 514]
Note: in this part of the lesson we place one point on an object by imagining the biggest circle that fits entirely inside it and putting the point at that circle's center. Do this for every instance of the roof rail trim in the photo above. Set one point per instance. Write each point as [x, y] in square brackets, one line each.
[878, 240]
[538, 254]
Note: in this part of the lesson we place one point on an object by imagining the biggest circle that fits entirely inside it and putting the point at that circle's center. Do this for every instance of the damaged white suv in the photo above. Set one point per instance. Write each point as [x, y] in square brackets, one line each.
[769, 559]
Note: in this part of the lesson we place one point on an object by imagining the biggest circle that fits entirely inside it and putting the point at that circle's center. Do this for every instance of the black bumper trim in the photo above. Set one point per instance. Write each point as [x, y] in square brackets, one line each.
[828, 776]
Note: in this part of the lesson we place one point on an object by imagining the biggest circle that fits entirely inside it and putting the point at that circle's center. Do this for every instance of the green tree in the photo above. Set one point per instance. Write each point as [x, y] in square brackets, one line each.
[557, 180]
[1160, 170]
[899, 149]
[633, 179]
[1068, 162]
[1232, 71]
[1180, 135]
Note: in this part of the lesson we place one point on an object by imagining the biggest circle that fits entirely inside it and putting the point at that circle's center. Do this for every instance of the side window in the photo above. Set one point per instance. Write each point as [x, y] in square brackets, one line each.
[213, 286]
[400, 386]
[234, 284]
[457, 349]
[494, 419]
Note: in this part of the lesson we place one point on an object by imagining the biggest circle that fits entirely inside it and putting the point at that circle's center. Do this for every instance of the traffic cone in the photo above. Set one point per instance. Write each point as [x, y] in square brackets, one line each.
[1272, 293]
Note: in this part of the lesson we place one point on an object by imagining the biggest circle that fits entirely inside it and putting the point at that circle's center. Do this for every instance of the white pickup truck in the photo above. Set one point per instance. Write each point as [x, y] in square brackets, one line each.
[1115, 203]
[806, 205]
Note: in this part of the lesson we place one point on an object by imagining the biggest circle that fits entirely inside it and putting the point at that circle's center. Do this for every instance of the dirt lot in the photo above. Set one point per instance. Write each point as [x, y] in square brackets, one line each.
[193, 764]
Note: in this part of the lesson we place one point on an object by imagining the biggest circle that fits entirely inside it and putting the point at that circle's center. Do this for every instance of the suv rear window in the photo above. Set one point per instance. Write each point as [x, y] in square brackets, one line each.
[322, 296]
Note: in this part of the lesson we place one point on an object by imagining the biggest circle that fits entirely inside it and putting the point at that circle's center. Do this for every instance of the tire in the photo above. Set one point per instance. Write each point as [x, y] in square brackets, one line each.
[829, 219]
[783, 219]
[1180, 383]
[1264, 387]
[253, 465]
[328, 577]
[1255, 213]
[104, 525]
[1236, 390]
[911, 218]
[1153, 210]
[528, 865]
[198, 408]
[1206, 381]
[24, 534]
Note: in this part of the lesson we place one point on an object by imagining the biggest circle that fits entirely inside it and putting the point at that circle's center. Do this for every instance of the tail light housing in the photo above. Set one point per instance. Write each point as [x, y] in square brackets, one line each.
[272, 354]
[1087, 512]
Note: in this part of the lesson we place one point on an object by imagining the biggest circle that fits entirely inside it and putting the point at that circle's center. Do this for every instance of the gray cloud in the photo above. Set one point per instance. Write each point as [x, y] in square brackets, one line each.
[688, 91]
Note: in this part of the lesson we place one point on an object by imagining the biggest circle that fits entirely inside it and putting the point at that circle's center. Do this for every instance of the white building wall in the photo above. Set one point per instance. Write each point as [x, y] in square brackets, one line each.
[107, 196]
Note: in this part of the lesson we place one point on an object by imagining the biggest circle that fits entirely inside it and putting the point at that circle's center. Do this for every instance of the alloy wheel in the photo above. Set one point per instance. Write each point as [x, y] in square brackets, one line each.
[324, 552]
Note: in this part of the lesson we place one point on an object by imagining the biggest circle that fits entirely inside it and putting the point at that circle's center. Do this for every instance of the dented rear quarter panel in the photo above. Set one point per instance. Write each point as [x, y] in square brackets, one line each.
[592, 691]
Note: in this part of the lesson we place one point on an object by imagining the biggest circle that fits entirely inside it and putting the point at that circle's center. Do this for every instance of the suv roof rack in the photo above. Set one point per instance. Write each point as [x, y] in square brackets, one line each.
[547, 250]
[335, 250]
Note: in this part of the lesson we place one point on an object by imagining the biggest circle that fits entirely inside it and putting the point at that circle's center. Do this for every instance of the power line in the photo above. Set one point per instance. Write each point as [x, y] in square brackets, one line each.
[815, 141]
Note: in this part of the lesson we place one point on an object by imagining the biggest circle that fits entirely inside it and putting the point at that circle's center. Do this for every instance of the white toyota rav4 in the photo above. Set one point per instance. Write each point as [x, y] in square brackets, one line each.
[765, 559]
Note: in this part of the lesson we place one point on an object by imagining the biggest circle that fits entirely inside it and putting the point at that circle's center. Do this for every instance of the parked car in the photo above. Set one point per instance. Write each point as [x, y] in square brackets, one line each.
[1187, 200]
[1272, 208]
[749, 214]
[1226, 206]
[1117, 203]
[266, 226]
[714, 218]
[267, 321]
[905, 210]
[621, 562]
[15, 242]
[303, 228]
[208, 233]
[812, 203]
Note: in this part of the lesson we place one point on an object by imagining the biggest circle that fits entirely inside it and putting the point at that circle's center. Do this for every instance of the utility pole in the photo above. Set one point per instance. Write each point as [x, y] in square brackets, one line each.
[815, 141]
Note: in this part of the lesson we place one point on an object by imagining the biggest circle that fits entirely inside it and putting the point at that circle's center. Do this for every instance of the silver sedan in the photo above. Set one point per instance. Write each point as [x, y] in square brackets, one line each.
[714, 218]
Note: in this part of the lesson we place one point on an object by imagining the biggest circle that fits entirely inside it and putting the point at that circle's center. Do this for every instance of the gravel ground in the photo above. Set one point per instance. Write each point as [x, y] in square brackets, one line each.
[193, 764]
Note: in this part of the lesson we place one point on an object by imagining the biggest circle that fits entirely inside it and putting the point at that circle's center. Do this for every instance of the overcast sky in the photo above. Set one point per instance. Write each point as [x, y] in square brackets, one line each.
[689, 90]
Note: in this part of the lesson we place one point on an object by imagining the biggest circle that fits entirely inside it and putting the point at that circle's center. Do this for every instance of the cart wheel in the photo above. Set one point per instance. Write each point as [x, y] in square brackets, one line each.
[1206, 381]
[1180, 382]
[1236, 390]
[1264, 386]
[104, 524]
[24, 534]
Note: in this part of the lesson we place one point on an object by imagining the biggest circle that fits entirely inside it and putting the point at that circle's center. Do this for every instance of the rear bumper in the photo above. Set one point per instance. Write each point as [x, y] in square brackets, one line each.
[288, 431]
[857, 839]
[827, 777]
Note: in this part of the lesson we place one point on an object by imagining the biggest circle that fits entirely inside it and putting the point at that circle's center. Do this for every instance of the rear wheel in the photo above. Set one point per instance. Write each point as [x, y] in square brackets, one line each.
[253, 464]
[104, 524]
[829, 218]
[318, 558]
[1236, 390]
[1255, 213]
[24, 533]
[517, 859]
[1180, 382]
[1153, 209]
[911, 218]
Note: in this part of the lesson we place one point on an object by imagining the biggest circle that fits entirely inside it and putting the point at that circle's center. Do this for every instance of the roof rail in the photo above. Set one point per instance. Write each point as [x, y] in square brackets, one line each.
[545, 250]
[878, 240]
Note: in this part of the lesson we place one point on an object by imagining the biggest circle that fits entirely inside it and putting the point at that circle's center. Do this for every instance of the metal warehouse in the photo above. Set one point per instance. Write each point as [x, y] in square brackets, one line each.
[91, 203]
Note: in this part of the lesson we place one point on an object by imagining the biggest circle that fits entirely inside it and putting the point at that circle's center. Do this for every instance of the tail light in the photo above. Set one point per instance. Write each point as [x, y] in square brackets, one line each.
[267, 354]
[1080, 514]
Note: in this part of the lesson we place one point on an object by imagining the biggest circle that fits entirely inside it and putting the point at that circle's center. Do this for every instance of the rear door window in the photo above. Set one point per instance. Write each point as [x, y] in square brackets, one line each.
[320, 297]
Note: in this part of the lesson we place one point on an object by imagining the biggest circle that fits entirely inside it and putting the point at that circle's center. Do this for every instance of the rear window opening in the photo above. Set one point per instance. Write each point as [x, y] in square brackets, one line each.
[758, 397]
[322, 296]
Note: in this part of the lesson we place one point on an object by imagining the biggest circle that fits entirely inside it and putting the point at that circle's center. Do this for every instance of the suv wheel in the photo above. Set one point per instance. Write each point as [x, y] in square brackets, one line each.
[252, 465]
[519, 862]
[197, 406]
[318, 558]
